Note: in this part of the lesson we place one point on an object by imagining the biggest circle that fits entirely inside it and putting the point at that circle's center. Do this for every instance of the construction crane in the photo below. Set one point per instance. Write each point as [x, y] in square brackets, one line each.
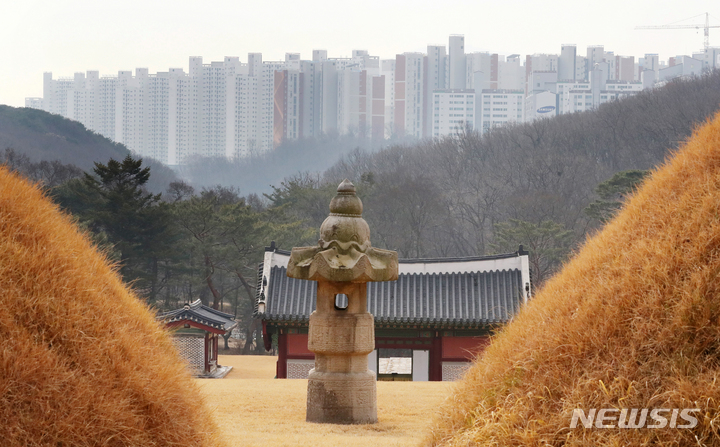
[706, 27]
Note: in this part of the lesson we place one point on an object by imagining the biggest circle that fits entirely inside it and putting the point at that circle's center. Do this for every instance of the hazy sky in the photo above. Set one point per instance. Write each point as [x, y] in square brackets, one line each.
[67, 36]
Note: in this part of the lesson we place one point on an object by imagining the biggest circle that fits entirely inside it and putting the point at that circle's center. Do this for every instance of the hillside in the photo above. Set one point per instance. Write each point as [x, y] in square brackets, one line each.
[631, 322]
[44, 136]
[83, 361]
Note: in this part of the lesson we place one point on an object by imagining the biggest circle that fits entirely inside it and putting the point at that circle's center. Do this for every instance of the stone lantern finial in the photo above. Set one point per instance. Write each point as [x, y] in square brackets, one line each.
[341, 390]
[344, 252]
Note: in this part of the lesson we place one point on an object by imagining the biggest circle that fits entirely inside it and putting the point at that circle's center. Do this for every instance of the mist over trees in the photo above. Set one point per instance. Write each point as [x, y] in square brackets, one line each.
[258, 172]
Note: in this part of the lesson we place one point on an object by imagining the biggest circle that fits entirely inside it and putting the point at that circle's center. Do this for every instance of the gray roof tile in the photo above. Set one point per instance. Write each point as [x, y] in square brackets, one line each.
[200, 313]
[433, 298]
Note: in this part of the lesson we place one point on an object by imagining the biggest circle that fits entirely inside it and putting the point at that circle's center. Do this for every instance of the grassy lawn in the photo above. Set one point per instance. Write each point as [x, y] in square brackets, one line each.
[254, 409]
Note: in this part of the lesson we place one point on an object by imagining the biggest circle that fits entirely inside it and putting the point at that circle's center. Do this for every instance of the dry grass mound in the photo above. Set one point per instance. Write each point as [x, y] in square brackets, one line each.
[82, 361]
[632, 322]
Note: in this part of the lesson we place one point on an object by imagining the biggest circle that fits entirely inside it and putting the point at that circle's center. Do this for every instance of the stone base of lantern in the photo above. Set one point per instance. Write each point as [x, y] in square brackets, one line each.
[341, 334]
[341, 398]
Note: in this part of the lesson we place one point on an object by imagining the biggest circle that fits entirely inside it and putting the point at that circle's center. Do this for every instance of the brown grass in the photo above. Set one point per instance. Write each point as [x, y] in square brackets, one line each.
[255, 411]
[82, 360]
[633, 321]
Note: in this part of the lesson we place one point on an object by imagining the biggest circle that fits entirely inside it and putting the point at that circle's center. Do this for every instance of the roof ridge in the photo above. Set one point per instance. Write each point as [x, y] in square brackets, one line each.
[431, 260]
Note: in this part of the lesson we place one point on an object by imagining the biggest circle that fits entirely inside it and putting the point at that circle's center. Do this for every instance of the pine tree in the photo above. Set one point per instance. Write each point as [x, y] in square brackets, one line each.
[135, 221]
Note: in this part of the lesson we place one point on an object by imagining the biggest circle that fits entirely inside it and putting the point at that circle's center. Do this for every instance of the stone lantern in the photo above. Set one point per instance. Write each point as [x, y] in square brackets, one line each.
[341, 389]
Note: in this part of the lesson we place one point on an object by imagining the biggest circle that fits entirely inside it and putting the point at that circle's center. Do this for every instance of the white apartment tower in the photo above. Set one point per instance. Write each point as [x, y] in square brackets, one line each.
[499, 107]
[265, 85]
[511, 75]
[312, 98]
[183, 120]
[329, 96]
[287, 104]
[595, 55]
[567, 63]
[651, 62]
[157, 96]
[479, 69]
[456, 63]
[581, 68]
[319, 55]
[354, 102]
[34, 103]
[436, 61]
[409, 92]
[453, 111]
[711, 58]
[105, 106]
[247, 135]
[387, 71]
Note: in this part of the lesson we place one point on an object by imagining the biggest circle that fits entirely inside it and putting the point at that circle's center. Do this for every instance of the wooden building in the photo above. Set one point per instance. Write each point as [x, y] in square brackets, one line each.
[196, 329]
[439, 312]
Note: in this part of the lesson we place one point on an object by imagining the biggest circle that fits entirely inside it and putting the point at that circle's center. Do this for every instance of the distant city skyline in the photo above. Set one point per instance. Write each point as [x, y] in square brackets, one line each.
[234, 109]
[74, 36]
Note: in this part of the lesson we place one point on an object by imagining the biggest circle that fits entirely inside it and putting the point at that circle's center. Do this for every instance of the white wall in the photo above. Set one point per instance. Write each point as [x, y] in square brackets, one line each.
[420, 366]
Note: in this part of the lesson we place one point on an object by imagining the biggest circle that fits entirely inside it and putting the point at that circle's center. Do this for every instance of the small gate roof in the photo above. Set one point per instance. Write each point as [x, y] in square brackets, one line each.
[196, 313]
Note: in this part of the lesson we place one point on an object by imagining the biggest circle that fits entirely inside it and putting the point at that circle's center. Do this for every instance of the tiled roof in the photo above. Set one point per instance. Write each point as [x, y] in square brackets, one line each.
[197, 312]
[422, 294]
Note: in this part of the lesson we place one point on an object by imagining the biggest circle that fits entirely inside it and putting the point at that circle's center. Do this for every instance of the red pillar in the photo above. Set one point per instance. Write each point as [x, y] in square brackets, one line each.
[282, 356]
[435, 374]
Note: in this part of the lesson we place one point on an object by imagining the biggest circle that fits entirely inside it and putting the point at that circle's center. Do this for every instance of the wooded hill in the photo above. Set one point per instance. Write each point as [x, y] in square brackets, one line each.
[472, 194]
[44, 136]
[35, 135]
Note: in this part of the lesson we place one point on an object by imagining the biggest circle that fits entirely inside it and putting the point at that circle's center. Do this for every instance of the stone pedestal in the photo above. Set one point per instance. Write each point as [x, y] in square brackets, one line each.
[341, 389]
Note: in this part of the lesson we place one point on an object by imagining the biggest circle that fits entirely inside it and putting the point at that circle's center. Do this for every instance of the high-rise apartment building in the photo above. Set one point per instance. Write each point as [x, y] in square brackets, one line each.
[478, 68]
[387, 70]
[567, 70]
[234, 109]
[453, 111]
[434, 78]
[499, 107]
[457, 72]
[288, 97]
[377, 110]
[409, 92]
[511, 74]
[625, 68]
[595, 55]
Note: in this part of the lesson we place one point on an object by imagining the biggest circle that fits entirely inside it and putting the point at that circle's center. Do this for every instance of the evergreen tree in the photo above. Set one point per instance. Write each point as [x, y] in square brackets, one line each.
[612, 192]
[548, 243]
[135, 221]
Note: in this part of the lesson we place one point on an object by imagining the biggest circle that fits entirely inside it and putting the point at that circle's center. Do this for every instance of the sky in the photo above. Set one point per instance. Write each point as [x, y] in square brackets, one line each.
[68, 36]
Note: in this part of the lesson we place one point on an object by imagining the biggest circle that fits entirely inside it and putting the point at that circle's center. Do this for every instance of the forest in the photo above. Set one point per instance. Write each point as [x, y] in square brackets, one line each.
[545, 185]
